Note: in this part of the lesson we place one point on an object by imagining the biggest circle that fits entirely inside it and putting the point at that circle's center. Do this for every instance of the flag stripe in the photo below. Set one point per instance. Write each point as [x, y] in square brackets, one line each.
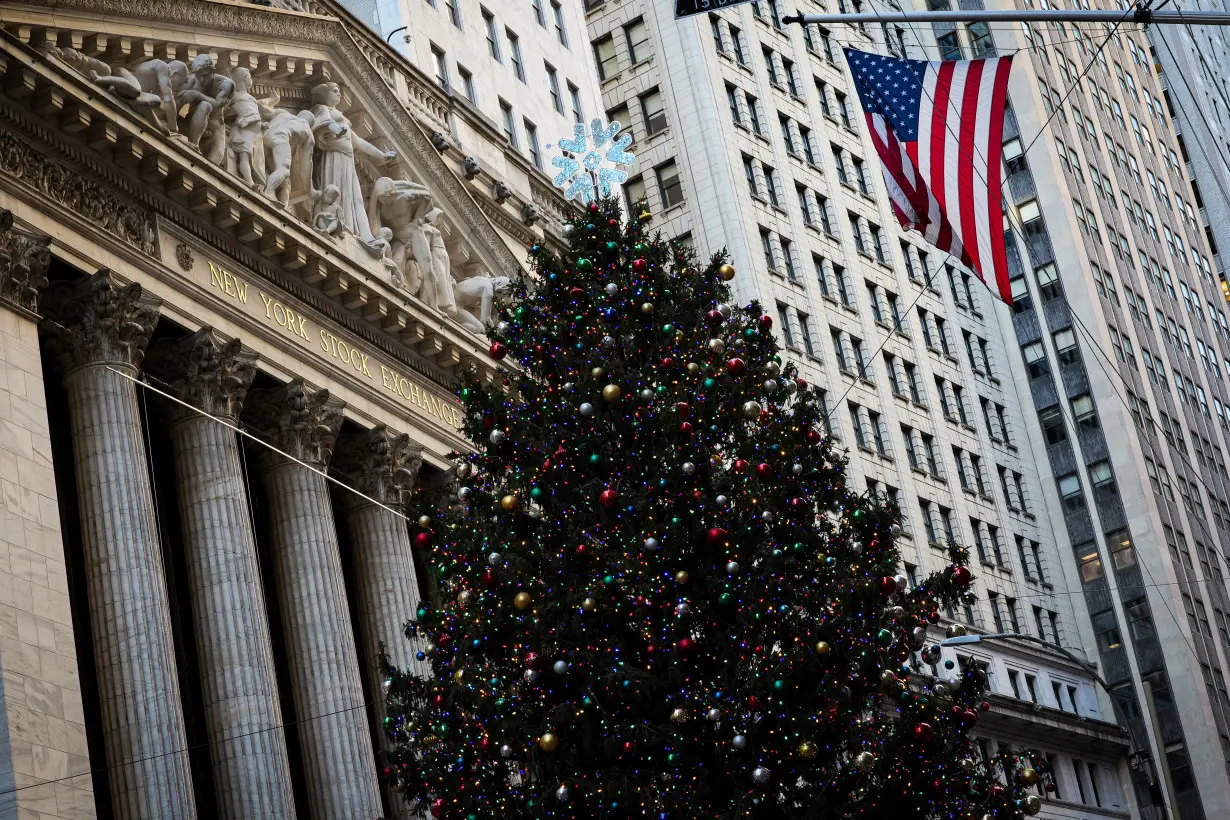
[938, 128]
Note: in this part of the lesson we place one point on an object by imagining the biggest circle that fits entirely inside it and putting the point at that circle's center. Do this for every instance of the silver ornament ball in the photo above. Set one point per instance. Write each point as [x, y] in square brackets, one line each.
[760, 775]
[561, 793]
[611, 288]
[506, 750]
[739, 742]
[714, 714]
[651, 543]
[769, 386]
[494, 558]
[751, 409]
[560, 667]
[586, 409]
[796, 469]
[721, 500]
[463, 493]
[497, 437]
[732, 567]
[688, 468]
[646, 395]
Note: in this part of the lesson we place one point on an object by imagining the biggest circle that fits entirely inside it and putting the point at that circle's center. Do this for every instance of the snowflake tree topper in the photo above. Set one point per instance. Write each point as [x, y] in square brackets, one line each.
[580, 177]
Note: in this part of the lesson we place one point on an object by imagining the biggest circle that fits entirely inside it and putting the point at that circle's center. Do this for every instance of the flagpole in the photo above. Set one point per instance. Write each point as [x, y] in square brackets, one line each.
[1142, 16]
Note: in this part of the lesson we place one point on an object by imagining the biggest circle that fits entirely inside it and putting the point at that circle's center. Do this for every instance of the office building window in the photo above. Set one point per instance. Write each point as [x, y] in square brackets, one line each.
[604, 54]
[670, 186]
[553, 85]
[531, 139]
[440, 61]
[561, 33]
[454, 11]
[514, 53]
[467, 83]
[637, 35]
[574, 96]
[654, 112]
[538, 15]
[493, 36]
[510, 125]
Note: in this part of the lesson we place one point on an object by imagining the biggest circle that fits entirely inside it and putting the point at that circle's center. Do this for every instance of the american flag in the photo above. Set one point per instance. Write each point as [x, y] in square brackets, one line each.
[938, 128]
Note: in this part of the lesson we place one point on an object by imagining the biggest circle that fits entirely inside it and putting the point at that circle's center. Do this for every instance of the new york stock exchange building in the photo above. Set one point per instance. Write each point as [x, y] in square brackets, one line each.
[243, 264]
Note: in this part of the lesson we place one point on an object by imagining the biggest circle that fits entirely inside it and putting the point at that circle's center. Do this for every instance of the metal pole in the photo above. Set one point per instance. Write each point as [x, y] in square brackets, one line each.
[1129, 15]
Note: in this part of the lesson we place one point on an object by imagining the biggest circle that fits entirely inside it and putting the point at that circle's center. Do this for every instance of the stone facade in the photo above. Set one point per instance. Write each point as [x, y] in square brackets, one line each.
[242, 251]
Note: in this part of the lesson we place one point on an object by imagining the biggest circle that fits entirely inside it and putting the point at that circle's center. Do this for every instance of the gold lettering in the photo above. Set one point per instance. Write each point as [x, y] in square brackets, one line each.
[324, 340]
[242, 290]
[215, 276]
[363, 366]
[302, 326]
[268, 305]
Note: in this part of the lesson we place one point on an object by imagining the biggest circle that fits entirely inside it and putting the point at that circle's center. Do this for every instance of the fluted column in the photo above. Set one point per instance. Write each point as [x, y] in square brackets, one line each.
[382, 467]
[325, 680]
[242, 714]
[95, 327]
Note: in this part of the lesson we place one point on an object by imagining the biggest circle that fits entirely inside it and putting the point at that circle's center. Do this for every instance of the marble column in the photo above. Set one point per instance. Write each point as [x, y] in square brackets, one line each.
[242, 714]
[338, 760]
[95, 327]
[383, 467]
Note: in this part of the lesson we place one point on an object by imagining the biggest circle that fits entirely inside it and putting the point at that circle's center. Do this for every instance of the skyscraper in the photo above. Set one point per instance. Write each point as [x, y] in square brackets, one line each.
[749, 137]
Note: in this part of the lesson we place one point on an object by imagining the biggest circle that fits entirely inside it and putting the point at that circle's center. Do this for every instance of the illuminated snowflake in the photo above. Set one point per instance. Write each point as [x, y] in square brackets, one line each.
[578, 177]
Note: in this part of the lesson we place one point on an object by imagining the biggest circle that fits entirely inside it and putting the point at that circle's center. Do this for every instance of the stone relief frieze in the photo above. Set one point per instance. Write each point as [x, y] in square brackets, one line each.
[313, 163]
[24, 259]
[87, 199]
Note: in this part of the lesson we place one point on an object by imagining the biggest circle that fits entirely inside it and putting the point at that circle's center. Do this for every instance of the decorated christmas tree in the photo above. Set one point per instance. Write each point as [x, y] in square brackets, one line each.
[656, 595]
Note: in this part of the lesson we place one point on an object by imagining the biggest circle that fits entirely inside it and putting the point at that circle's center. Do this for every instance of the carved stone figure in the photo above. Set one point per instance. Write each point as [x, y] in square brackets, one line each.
[245, 155]
[24, 259]
[440, 141]
[440, 266]
[400, 206]
[336, 145]
[207, 94]
[289, 143]
[476, 297]
[501, 191]
[530, 213]
[149, 87]
[471, 168]
[326, 218]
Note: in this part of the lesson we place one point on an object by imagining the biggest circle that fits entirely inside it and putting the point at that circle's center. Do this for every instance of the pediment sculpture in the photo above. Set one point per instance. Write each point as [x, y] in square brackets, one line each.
[312, 163]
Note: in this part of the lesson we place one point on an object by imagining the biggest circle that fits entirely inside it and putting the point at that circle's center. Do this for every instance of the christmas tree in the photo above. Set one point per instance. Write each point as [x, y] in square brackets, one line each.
[657, 596]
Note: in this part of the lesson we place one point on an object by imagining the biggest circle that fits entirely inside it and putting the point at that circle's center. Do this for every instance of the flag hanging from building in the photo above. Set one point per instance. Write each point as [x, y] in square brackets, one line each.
[938, 128]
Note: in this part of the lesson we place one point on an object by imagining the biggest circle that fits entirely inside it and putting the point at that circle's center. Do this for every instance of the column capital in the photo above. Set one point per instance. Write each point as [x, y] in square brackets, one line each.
[96, 321]
[379, 463]
[204, 370]
[298, 420]
[24, 259]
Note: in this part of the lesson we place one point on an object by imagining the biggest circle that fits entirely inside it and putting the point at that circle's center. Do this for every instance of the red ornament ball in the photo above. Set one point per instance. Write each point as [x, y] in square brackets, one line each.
[593, 209]
[613, 223]
[497, 350]
[668, 361]
[736, 367]
[764, 470]
[422, 540]
[639, 266]
[801, 384]
[717, 535]
[740, 465]
[684, 409]
[608, 498]
[924, 732]
[961, 576]
[686, 428]
[685, 644]
[714, 317]
[766, 321]
[984, 706]
[576, 293]
[888, 585]
[813, 437]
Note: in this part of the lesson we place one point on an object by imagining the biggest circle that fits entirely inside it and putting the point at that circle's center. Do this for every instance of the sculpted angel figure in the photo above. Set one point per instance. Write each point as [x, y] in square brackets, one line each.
[245, 155]
[206, 94]
[476, 297]
[336, 146]
[400, 206]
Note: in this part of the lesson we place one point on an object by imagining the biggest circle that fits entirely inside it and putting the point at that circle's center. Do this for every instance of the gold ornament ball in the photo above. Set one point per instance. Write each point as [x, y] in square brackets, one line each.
[693, 368]
[548, 742]
[430, 740]
[682, 576]
[1033, 804]
[598, 372]
[1028, 776]
[647, 308]
[508, 502]
[458, 675]
[644, 215]
[612, 392]
[822, 648]
[727, 271]
[679, 716]
[955, 630]
[807, 750]
[521, 600]
[865, 761]
[589, 605]
[425, 522]
[464, 470]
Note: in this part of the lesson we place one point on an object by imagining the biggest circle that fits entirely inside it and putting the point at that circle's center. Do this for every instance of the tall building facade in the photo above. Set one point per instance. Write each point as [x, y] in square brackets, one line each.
[1123, 331]
[523, 65]
[1193, 71]
[247, 250]
[749, 137]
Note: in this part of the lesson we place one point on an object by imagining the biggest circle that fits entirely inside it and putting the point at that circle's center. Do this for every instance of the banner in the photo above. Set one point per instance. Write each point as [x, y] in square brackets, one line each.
[686, 8]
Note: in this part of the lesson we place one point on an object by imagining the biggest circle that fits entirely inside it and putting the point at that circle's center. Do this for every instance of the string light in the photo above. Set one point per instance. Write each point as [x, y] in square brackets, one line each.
[657, 596]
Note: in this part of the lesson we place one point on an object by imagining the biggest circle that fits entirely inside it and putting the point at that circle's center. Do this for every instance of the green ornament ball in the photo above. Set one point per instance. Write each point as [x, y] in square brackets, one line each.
[584, 265]
[536, 492]
[884, 637]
